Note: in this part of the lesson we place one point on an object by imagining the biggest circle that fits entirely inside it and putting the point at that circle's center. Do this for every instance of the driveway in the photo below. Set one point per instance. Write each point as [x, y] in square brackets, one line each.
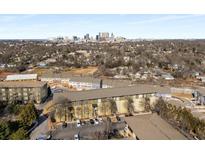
[41, 129]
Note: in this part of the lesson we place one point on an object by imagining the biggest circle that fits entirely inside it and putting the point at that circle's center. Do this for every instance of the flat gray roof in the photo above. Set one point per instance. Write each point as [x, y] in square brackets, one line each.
[23, 84]
[111, 92]
[153, 127]
[201, 90]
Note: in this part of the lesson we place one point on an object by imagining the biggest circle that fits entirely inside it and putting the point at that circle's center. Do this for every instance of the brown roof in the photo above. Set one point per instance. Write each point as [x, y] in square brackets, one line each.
[111, 92]
[26, 84]
[153, 127]
[3, 75]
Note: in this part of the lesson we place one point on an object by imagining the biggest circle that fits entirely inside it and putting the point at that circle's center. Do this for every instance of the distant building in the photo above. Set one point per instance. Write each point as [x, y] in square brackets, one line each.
[201, 78]
[86, 83]
[21, 77]
[112, 35]
[104, 36]
[78, 82]
[75, 38]
[97, 37]
[23, 91]
[41, 64]
[120, 39]
[167, 77]
[82, 83]
[87, 37]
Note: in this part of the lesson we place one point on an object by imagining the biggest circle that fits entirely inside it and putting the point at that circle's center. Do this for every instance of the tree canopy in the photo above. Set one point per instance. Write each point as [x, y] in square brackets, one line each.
[20, 134]
[28, 114]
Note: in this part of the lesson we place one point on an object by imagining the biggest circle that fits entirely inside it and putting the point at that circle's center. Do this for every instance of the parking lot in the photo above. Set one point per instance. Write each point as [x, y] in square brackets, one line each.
[87, 130]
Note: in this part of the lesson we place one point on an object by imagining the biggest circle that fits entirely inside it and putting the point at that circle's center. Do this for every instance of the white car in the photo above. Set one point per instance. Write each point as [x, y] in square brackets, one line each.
[76, 137]
[126, 128]
[78, 123]
[96, 121]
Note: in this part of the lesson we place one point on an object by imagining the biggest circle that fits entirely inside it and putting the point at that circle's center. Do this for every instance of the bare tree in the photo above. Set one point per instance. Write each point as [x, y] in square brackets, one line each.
[147, 104]
[113, 106]
[130, 106]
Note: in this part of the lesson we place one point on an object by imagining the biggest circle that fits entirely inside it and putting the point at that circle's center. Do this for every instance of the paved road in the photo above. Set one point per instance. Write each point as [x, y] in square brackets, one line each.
[41, 129]
[42, 105]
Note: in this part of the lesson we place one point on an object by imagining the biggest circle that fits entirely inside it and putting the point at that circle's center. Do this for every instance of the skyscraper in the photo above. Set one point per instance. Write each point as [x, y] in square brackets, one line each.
[75, 38]
[97, 38]
[86, 37]
[104, 35]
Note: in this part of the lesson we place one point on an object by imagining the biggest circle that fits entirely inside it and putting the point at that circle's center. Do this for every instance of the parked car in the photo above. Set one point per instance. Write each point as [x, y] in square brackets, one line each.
[57, 90]
[115, 131]
[76, 137]
[78, 123]
[64, 125]
[126, 128]
[83, 123]
[92, 121]
[96, 121]
[118, 118]
[44, 137]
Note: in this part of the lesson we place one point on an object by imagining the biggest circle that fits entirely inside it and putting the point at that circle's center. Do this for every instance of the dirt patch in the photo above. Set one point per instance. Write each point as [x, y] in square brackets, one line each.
[182, 95]
[74, 71]
[83, 71]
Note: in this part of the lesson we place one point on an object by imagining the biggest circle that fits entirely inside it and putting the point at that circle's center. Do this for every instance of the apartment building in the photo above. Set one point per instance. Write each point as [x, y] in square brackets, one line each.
[105, 102]
[23, 91]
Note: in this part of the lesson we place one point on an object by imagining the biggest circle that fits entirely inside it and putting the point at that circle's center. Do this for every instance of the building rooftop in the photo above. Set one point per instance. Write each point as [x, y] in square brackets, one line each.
[56, 75]
[153, 127]
[85, 79]
[111, 92]
[201, 90]
[26, 84]
[88, 79]
[16, 77]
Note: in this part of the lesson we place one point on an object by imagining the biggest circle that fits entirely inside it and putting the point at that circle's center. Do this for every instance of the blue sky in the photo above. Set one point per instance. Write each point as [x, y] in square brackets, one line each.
[130, 26]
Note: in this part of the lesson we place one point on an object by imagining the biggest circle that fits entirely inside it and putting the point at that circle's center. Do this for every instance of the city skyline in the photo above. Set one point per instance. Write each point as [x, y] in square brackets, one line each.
[170, 26]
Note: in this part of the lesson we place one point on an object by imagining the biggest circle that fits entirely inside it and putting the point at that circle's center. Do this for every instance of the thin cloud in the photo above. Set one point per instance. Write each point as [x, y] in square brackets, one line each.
[164, 18]
[15, 18]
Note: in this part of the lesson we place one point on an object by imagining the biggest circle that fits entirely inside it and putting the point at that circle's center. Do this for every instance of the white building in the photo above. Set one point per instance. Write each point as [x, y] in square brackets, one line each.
[21, 77]
[167, 77]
